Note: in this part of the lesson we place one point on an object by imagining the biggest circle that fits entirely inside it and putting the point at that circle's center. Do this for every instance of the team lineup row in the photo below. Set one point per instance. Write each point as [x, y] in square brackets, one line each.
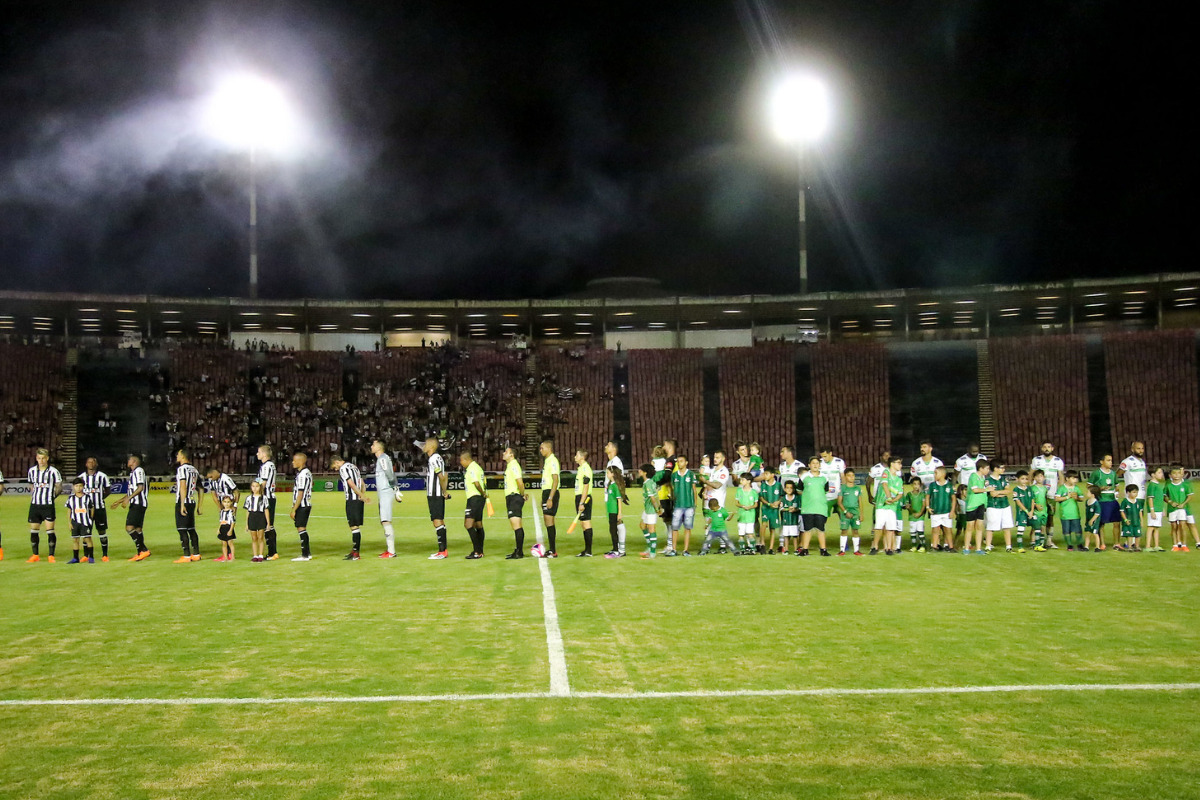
[775, 510]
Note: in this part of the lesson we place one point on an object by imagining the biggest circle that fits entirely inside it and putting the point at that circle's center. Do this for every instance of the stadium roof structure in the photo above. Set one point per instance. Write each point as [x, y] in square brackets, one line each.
[1138, 302]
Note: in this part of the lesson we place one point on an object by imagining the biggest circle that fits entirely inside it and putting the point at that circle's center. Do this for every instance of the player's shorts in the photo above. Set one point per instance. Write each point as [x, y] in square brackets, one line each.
[940, 521]
[550, 506]
[135, 517]
[302, 515]
[387, 499]
[770, 517]
[851, 523]
[186, 520]
[256, 521]
[814, 522]
[40, 513]
[974, 514]
[515, 505]
[886, 520]
[227, 534]
[585, 514]
[354, 512]
[790, 532]
[1129, 534]
[1110, 511]
[999, 519]
[100, 518]
[649, 518]
[745, 529]
[1178, 515]
[916, 525]
[1154, 519]
[271, 505]
[80, 529]
[474, 508]
[683, 518]
[1071, 526]
[437, 507]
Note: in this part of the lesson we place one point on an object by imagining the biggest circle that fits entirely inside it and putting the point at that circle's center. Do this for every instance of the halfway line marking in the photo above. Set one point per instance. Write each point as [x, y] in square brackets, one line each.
[559, 685]
[683, 694]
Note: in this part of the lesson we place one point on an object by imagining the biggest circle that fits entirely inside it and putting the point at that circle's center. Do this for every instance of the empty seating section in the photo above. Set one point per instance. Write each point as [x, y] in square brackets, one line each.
[303, 407]
[850, 401]
[758, 395]
[32, 388]
[666, 401]
[1041, 390]
[1152, 394]
[209, 407]
[485, 398]
[575, 400]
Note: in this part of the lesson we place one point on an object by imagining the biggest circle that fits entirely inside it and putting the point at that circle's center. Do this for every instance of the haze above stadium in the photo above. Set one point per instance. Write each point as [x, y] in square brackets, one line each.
[454, 151]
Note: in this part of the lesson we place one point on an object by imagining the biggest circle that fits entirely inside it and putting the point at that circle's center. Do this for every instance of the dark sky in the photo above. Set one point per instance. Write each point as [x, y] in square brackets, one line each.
[503, 150]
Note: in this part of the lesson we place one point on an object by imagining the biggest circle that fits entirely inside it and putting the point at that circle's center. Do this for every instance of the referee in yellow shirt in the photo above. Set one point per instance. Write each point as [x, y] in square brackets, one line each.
[476, 489]
[550, 477]
[514, 500]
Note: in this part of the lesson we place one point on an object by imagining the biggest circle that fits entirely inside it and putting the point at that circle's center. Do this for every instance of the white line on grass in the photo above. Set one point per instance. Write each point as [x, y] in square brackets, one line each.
[684, 694]
[559, 685]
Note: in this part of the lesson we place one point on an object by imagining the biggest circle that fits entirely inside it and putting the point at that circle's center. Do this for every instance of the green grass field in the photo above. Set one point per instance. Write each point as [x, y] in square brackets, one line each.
[409, 626]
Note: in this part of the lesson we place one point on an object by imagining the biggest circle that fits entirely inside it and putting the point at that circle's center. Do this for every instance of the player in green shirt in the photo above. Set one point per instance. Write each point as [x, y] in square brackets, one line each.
[1110, 511]
[476, 492]
[918, 512]
[717, 530]
[769, 492]
[684, 483]
[942, 508]
[999, 507]
[1156, 490]
[1177, 497]
[977, 497]
[789, 518]
[1023, 500]
[651, 508]
[746, 502]
[1066, 499]
[849, 504]
[1131, 519]
[814, 506]
[614, 496]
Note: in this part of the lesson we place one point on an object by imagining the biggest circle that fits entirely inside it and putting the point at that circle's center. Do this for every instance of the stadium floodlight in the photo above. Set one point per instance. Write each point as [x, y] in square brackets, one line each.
[800, 112]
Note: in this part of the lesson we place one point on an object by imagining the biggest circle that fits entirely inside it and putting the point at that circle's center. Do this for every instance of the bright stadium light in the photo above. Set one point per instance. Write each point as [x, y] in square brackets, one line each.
[799, 111]
[249, 112]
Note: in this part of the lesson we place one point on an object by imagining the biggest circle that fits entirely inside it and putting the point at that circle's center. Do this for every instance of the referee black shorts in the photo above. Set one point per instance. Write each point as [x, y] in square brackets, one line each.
[515, 505]
[549, 505]
[586, 514]
[354, 513]
[186, 520]
[135, 517]
[437, 508]
[474, 508]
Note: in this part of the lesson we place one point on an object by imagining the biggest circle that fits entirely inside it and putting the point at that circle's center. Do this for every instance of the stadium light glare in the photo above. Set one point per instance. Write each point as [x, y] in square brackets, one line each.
[247, 111]
[800, 110]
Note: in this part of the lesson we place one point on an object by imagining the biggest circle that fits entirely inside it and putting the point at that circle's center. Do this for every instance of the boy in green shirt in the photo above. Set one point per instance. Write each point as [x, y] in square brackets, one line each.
[942, 506]
[999, 507]
[746, 502]
[789, 517]
[889, 493]
[1067, 501]
[1093, 513]
[717, 531]
[814, 506]
[1025, 504]
[1110, 511]
[1131, 519]
[650, 508]
[684, 483]
[770, 490]
[1156, 491]
[977, 497]
[918, 510]
[1040, 511]
[1177, 496]
[849, 505]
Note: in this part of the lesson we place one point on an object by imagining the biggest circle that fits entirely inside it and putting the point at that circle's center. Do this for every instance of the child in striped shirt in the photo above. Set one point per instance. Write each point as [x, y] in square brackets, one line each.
[226, 533]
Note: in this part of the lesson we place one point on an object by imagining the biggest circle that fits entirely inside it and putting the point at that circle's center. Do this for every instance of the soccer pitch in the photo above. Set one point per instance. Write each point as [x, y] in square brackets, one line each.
[414, 678]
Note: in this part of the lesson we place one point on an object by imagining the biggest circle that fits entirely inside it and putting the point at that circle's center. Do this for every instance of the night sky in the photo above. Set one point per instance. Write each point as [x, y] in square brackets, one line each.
[460, 150]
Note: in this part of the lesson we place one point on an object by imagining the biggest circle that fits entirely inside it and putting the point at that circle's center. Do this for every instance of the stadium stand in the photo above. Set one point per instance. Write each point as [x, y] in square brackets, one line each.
[32, 391]
[210, 408]
[758, 394]
[850, 400]
[1041, 391]
[303, 405]
[485, 401]
[666, 400]
[1152, 394]
[574, 396]
[397, 392]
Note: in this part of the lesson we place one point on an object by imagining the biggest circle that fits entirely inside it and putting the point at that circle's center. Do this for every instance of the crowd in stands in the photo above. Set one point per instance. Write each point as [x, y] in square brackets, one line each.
[209, 409]
[574, 391]
[32, 393]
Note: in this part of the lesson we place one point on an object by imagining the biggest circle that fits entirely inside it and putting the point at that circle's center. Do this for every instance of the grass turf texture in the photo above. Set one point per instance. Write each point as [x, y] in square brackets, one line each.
[409, 626]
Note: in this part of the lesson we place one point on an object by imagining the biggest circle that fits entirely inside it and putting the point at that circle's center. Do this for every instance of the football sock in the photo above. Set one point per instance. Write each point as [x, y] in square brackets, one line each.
[104, 545]
[34, 537]
[52, 540]
[89, 551]
[1020, 539]
[620, 537]
[140, 541]
[845, 541]
[270, 537]
[480, 532]
[356, 535]
[551, 533]
[304, 543]
[651, 540]
[389, 535]
[519, 534]
[856, 540]
[441, 537]
[184, 542]
[587, 540]
[195, 537]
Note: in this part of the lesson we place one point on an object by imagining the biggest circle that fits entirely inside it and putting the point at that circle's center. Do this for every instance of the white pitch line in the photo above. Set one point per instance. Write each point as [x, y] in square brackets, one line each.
[559, 685]
[681, 695]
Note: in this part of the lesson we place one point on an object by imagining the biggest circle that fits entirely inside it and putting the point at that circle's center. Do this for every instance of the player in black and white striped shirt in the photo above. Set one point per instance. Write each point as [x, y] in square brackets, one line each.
[221, 486]
[356, 499]
[44, 482]
[96, 486]
[266, 476]
[436, 483]
[81, 509]
[187, 483]
[135, 499]
[302, 502]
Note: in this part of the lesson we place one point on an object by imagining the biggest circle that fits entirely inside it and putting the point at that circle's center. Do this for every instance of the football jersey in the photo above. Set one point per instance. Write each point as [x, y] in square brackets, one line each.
[583, 481]
[1155, 492]
[790, 508]
[941, 497]
[790, 471]
[95, 486]
[813, 497]
[996, 483]
[550, 471]
[832, 470]
[189, 478]
[924, 469]
[746, 497]
[512, 477]
[80, 508]
[302, 488]
[472, 475]
[1107, 481]
[1026, 496]
[683, 487]
[433, 475]
[266, 476]
[1052, 466]
[350, 477]
[44, 485]
[1135, 473]
[967, 464]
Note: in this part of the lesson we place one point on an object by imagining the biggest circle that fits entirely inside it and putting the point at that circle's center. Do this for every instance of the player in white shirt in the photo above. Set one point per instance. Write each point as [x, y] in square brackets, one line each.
[385, 488]
[742, 462]
[926, 464]
[718, 480]
[614, 460]
[1053, 468]
[832, 469]
[789, 466]
[1133, 469]
[968, 463]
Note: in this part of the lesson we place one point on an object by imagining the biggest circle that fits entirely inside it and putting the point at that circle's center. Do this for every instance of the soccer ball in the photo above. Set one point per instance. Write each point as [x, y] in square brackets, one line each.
[537, 551]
